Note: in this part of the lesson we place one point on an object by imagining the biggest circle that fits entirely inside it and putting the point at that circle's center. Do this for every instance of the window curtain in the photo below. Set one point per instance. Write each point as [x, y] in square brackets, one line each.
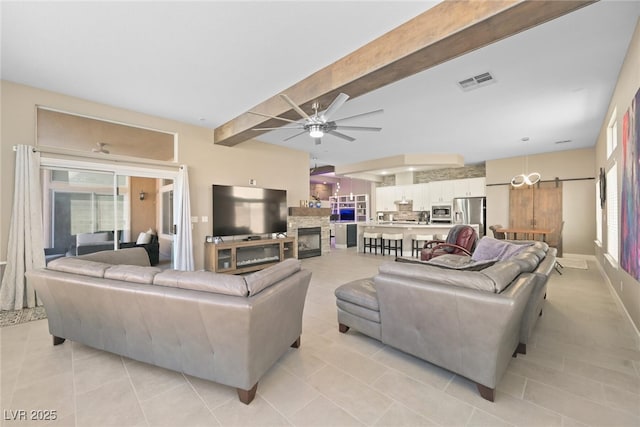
[183, 244]
[25, 249]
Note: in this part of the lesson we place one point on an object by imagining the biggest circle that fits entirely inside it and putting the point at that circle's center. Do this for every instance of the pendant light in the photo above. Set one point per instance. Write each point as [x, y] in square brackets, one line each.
[530, 178]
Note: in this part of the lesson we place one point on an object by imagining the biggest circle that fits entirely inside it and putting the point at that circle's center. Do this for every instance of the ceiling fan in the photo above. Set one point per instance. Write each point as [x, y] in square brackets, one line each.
[100, 148]
[320, 123]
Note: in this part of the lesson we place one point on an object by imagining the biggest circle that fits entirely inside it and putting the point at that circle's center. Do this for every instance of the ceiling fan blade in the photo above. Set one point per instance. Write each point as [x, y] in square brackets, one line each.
[337, 103]
[293, 136]
[367, 128]
[283, 127]
[341, 135]
[360, 115]
[295, 106]
[318, 141]
[272, 117]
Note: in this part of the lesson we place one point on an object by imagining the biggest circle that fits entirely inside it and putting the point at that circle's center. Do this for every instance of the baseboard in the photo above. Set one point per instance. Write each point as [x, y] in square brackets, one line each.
[618, 301]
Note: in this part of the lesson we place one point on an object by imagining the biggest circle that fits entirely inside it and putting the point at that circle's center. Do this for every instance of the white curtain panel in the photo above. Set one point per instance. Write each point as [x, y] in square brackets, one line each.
[25, 250]
[183, 244]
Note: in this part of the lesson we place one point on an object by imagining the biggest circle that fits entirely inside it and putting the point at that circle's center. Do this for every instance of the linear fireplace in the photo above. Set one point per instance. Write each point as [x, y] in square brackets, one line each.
[309, 242]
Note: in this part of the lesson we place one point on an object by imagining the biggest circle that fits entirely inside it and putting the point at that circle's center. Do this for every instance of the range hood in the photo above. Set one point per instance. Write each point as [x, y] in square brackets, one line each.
[403, 201]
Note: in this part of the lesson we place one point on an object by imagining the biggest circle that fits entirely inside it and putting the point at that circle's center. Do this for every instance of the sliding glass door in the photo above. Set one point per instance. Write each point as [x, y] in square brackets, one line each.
[84, 208]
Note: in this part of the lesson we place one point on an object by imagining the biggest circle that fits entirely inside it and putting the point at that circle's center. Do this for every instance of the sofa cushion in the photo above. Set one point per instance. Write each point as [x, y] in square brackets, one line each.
[451, 261]
[359, 292]
[143, 238]
[260, 280]
[206, 281]
[489, 248]
[533, 250]
[132, 273]
[79, 266]
[502, 274]
[528, 261]
[441, 276]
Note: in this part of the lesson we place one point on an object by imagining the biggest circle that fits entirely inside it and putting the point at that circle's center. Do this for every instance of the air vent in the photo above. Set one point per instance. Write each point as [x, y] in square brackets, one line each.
[564, 141]
[476, 81]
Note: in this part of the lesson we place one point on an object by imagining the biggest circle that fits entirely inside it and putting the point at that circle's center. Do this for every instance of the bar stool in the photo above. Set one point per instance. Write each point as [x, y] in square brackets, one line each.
[372, 242]
[387, 238]
[417, 241]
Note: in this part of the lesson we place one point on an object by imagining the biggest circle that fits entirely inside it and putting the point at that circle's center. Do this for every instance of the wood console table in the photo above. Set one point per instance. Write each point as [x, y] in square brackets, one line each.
[243, 256]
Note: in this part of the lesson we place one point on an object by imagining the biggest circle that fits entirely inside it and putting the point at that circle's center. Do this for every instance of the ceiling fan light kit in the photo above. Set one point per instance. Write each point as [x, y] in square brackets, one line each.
[319, 124]
[101, 148]
[315, 131]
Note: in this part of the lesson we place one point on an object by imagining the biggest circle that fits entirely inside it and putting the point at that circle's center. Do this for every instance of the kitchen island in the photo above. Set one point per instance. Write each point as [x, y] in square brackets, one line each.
[408, 229]
[345, 233]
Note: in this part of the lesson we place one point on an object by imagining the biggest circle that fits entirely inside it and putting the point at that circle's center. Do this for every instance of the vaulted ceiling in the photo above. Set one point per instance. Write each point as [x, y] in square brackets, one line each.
[207, 62]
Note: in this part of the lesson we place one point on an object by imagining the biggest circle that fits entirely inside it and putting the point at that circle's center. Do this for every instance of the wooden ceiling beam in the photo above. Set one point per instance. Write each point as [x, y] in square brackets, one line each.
[448, 30]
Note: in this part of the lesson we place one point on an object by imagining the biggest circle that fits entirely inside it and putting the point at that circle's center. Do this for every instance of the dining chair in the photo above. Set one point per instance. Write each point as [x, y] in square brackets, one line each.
[497, 234]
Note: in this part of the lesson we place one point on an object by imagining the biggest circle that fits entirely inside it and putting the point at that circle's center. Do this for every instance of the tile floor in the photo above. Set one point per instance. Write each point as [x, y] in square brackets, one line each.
[582, 369]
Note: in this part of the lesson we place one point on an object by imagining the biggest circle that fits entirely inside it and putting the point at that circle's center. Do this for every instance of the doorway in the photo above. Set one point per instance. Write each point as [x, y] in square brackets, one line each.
[86, 211]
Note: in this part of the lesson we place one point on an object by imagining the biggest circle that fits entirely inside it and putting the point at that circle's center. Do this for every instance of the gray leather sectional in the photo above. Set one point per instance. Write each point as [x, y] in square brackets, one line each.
[469, 322]
[223, 328]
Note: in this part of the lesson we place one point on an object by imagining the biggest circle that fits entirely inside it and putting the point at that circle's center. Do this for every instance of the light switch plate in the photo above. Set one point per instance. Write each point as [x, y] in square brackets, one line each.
[194, 219]
[204, 219]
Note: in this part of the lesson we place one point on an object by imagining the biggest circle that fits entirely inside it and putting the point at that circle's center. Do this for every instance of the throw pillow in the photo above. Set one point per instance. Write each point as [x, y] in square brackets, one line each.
[493, 249]
[143, 238]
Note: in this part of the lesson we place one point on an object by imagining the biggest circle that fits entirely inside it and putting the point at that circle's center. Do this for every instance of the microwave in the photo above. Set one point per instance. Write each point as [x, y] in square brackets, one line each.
[441, 213]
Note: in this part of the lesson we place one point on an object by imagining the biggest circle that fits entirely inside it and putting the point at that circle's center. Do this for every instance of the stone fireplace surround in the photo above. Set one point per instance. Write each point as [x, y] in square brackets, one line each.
[310, 217]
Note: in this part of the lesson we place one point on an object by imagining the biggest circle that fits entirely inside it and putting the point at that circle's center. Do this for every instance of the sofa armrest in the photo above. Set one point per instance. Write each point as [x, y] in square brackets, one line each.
[89, 248]
[152, 248]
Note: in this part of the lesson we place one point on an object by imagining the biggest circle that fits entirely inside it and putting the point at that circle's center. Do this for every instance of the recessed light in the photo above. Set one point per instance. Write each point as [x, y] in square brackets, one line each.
[383, 172]
[524, 139]
[411, 169]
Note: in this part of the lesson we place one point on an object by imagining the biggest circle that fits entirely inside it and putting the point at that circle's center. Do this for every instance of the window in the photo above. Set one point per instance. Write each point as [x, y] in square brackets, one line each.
[612, 212]
[612, 134]
[598, 214]
[167, 212]
[90, 136]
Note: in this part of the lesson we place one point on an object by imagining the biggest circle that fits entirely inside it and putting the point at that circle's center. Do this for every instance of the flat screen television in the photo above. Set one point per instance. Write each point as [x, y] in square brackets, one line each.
[347, 214]
[248, 210]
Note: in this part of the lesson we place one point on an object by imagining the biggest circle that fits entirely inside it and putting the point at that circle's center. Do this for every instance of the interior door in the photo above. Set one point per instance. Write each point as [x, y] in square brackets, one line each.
[547, 210]
[521, 207]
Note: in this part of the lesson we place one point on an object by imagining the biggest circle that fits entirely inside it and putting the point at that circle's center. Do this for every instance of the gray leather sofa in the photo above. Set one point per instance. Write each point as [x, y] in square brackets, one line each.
[223, 328]
[469, 322]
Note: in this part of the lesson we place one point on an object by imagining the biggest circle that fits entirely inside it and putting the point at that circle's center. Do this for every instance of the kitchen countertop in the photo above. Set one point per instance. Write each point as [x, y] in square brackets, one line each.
[404, 224]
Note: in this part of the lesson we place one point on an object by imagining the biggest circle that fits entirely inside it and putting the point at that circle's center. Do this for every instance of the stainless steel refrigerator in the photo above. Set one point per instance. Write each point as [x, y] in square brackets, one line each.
[470, 210]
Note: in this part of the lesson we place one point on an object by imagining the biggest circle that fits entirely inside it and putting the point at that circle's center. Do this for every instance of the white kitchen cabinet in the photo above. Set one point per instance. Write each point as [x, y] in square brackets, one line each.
[421, 197]
[427, 194]
[469, 187]
[477, 187]
[441, 192]
[385, 198]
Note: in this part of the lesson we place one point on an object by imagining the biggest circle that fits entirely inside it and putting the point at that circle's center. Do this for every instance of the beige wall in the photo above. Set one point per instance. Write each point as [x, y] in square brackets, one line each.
[578, 197]
[626, 287]
[143, 212]
[271, 166]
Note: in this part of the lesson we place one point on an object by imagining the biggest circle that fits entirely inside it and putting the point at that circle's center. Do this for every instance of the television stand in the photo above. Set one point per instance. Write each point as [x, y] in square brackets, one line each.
[244, 256]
